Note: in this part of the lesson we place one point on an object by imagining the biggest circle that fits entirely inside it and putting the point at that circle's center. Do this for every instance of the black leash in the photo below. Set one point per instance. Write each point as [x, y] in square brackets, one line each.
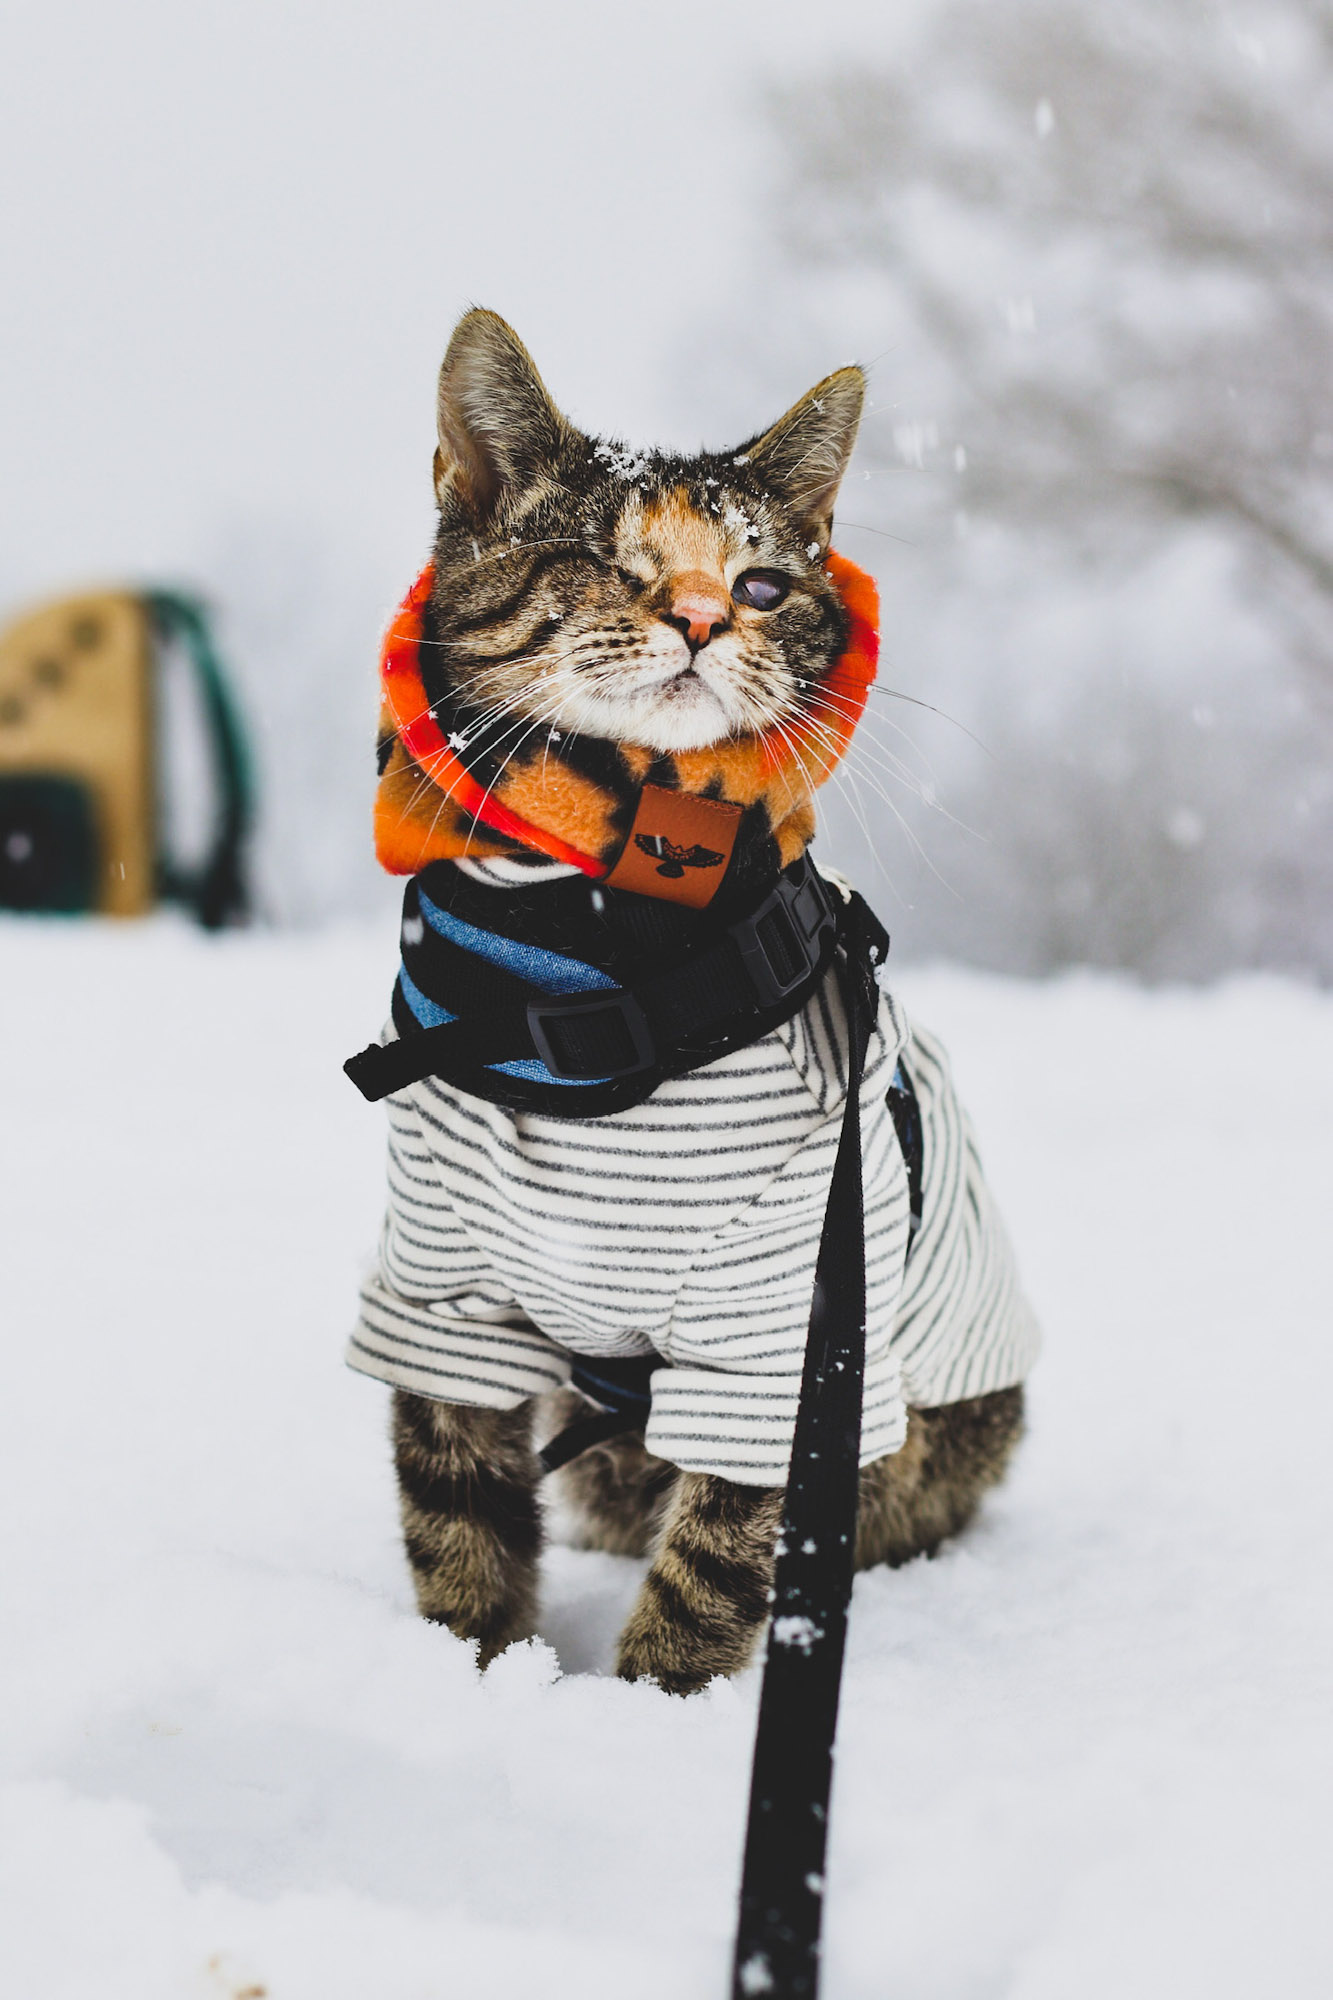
[782, 1885]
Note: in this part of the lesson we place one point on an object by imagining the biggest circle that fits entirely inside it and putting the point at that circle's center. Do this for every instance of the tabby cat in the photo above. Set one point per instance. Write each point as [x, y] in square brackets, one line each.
[597, 621]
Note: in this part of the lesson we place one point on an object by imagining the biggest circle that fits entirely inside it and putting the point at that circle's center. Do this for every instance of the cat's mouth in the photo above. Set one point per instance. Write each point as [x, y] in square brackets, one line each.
[681, 682]
[684, 712]
[679, 709]
[691, 695]
[690, 704]
[674, 698]
[687, 680]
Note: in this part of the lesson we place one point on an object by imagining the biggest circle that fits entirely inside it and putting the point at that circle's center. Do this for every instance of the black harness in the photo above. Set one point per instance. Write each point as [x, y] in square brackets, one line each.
[618, 1042]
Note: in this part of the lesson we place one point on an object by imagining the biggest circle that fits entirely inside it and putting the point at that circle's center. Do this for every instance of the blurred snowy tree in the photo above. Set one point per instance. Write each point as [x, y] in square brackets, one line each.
[1149, 188]
[1088, 251]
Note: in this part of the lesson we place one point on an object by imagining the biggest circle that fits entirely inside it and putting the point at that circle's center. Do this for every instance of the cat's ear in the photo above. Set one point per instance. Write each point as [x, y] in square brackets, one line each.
[498, 428]
[803, 457]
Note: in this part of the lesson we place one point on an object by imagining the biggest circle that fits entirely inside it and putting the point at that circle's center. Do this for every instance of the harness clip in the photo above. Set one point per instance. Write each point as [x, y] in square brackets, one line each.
[592, 1037]
[784, 940]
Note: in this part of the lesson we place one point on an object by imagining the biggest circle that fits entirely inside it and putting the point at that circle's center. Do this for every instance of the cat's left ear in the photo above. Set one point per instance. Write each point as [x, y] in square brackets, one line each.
[803, 457]
[498, 428]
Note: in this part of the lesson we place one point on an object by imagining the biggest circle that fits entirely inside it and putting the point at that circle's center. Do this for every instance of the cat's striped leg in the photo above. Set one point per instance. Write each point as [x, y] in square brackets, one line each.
[932, 1487]
[706, 1597]
[467, 1488]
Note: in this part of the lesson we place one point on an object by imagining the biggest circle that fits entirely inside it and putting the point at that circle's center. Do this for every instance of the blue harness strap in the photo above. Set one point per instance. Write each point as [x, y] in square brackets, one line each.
[548, 971]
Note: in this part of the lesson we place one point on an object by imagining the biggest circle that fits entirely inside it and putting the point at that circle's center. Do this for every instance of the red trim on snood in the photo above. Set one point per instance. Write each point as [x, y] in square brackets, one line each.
[834, 708]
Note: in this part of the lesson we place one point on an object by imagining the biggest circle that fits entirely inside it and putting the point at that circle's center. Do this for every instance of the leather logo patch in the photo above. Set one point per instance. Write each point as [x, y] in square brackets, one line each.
[678, 847]
[672, 860]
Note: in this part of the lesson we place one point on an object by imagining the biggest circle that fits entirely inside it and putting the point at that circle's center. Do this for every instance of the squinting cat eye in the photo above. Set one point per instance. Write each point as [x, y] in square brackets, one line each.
[761, 589]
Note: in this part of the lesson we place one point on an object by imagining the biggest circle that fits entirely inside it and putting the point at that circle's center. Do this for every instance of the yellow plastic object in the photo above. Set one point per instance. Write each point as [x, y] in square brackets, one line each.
[76, 706]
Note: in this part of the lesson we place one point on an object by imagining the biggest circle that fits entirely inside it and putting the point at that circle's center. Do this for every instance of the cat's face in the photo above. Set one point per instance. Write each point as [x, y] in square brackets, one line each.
[581, 587]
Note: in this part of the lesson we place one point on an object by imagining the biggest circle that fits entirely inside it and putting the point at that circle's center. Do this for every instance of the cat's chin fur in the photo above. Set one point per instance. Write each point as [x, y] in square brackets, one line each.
[678, 703]
[688, 719]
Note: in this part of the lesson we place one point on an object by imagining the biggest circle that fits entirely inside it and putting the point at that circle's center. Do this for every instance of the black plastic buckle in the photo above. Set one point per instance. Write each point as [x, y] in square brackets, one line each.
[625, 1015]
[784, 940]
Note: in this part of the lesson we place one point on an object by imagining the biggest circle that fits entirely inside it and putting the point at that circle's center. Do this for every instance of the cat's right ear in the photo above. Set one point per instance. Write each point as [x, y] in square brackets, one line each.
[805, 454]
[498, 428]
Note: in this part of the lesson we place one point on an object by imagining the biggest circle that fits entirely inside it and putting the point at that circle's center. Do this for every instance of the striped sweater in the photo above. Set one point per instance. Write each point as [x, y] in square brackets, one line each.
[687, 1227]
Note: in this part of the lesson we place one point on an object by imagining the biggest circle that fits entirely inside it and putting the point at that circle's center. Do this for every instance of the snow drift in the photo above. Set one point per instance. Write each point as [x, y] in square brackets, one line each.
[1082, 1751]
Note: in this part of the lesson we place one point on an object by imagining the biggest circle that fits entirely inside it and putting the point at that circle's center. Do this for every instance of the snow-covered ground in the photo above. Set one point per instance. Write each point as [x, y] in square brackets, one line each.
[1086, 1752]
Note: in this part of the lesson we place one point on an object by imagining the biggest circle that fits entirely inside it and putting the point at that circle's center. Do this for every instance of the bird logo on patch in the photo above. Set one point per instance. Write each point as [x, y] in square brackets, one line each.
[673, 860]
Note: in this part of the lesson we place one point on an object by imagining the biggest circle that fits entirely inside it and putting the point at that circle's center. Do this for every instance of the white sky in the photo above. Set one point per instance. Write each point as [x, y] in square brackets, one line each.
[234, 240]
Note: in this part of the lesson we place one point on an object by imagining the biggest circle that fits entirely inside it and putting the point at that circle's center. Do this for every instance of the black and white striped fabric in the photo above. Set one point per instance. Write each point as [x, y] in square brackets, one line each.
[687, 1226]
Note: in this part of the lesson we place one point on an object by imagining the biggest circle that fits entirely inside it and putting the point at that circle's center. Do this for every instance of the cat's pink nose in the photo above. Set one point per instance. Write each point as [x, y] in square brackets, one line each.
[699, 607]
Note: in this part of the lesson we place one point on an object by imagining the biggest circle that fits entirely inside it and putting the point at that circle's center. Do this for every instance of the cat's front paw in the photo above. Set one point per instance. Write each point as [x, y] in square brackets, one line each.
[683, 1646]
[704, 1601]
[472, 1529]
[495, 1617]
[641, 1662]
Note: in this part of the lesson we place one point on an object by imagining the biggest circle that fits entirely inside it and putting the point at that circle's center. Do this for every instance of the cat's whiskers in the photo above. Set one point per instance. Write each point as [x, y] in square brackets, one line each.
[846, 782]
[474, 726]
[765, 718]
[853, 710]
[446, 798]
[838, 774]
[409, 722]
[545, 661]
[895, 767]
[426, 783]
[882, 793]
[859, 752]
[861, 733]
[782, 723]
[538, 723]
[585, 671]
[916, 701]
[793, 796]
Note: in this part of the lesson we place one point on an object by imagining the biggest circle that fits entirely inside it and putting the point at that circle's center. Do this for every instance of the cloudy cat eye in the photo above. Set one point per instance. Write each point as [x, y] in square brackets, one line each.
[761, 589]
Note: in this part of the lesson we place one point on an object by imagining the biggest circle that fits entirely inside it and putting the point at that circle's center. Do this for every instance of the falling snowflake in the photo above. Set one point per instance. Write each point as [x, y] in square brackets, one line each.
[913, 440]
